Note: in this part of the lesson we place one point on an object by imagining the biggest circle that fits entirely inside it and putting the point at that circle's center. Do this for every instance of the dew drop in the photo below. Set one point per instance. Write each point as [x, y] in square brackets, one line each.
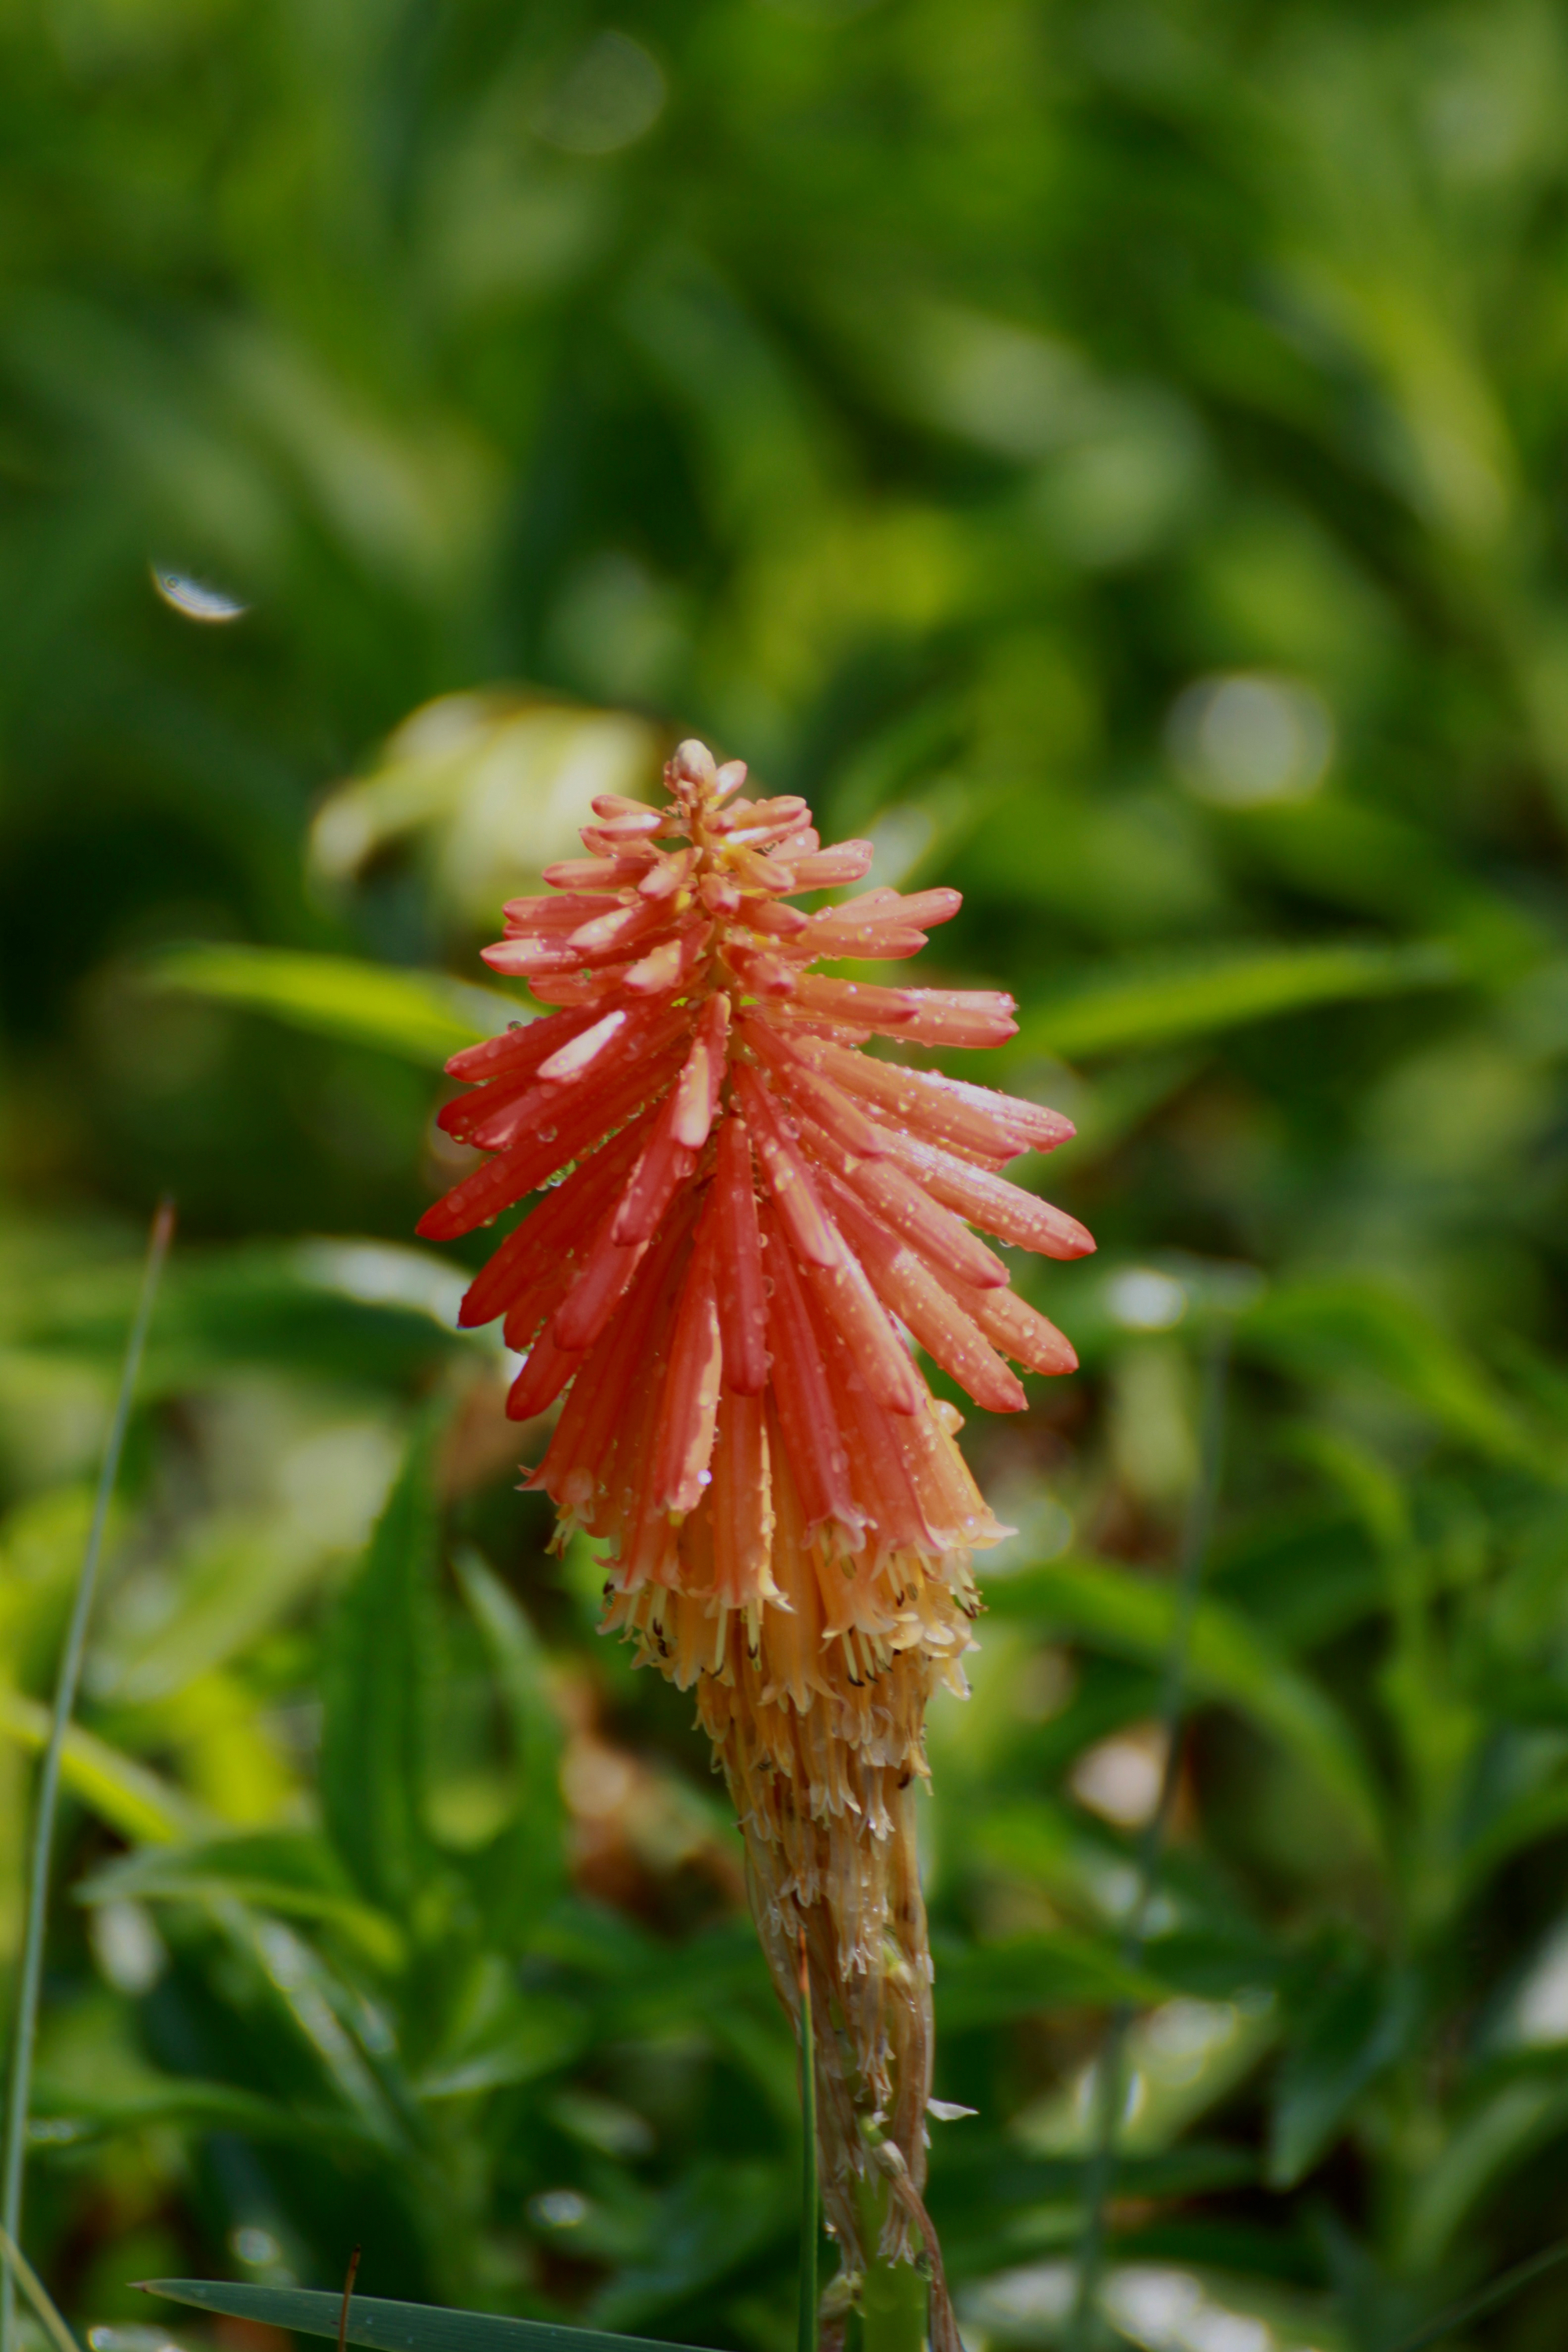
[198, 600]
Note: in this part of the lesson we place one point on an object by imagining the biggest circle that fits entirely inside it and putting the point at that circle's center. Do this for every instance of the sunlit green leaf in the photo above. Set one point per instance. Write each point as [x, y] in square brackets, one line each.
[422, 1016]
[1125, 1013]
[122, 1793]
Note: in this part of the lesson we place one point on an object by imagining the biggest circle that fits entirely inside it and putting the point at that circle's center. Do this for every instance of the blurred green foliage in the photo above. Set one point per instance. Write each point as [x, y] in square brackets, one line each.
[1113, 454]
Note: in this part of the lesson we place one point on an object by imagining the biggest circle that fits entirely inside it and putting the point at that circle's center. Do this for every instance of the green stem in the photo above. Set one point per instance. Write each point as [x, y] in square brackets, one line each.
[894, 2297]
[810, 2222]
[49, 1789]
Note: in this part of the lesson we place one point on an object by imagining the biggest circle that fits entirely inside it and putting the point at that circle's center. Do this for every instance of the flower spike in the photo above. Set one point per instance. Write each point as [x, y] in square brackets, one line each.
[743, 1215]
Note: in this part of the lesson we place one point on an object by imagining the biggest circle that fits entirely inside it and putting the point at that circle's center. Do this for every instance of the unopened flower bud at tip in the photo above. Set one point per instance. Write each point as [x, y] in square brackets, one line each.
[693, 763]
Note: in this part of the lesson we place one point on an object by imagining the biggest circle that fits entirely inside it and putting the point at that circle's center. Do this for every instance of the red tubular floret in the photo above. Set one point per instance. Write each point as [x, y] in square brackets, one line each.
[990, 1201]
[549, 1368]
[607, 1268]
[819, 1464]
[931, 1016]
[844, 1291]
[802, 1083]
[788, 1177]
[992, 1127]
[949, 1335]
[548, 1232]
[833, 869]
[518, 1051]
[529, 1164]
[689, 1414]
[572, 1471]
[742, 1300]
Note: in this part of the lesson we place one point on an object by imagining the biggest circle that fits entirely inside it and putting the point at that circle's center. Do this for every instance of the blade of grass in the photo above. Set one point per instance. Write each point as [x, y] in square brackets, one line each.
[1100, 2170]
[36, 2292]
[47, 1798]
[1502, 2290]
[395, 2327]
[809, 2192]
[348, 2298]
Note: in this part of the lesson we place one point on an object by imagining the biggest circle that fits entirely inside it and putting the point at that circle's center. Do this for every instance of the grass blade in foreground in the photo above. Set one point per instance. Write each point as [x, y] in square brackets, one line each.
[32, 1970]
[395, 2327]
[810, 2201]
[37, 2293]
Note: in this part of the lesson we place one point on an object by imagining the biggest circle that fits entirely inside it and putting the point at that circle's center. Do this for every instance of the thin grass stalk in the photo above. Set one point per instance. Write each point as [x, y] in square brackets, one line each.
[19, 2100]
[1486, 2299]
[37, 2293]
[1197, 1527]
[810, 2191]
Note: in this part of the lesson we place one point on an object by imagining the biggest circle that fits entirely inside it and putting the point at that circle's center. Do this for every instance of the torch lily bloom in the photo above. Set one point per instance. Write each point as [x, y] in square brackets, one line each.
[742, 1216]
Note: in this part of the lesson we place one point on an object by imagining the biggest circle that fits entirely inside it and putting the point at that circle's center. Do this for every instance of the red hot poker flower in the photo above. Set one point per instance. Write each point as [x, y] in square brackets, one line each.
[737, 1205]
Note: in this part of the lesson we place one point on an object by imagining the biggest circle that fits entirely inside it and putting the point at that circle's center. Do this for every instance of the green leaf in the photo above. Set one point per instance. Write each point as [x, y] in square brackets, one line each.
[1180, 2060]
[120, 1791]
[395, 2327]
[295, 1876]
[707, 2227]
[1501, 2133]
[1347, 1326]
[1129, 1010]
[494, 2032]
[421, 1016]
[1228, 1660]
[70, 2114]
[348, 1305]
[1359, 2023]
[522, 1870]
[379, 1658]
[988, 1984]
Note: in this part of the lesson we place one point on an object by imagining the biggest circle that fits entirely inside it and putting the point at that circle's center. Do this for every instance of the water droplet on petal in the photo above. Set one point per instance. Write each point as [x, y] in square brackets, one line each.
[198, 600]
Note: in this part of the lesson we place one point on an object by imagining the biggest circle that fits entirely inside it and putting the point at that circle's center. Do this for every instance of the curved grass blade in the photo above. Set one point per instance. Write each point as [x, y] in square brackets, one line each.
[32, 1970]
[395, 2327]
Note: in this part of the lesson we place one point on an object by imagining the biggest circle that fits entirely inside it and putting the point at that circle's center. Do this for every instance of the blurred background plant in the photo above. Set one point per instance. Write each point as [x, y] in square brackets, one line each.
[1114, 455]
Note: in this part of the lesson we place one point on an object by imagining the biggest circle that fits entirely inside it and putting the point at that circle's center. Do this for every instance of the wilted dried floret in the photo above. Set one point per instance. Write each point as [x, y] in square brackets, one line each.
[749, 1203]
